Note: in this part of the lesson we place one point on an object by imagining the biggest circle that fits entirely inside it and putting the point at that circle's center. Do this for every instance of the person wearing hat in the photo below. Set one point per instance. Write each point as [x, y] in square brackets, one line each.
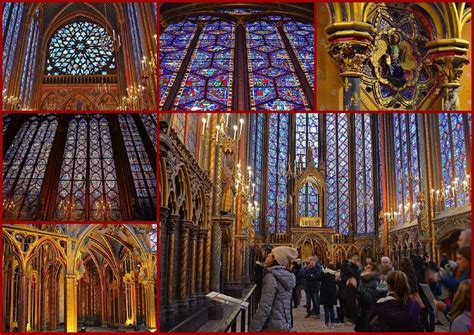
[274, 309]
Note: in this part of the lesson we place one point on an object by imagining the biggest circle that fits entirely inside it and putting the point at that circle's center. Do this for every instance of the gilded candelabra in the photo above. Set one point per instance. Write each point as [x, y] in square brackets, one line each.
[450, 191]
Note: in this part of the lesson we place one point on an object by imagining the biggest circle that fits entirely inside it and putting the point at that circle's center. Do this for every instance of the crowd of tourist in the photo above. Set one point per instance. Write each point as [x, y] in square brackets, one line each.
[416, 296]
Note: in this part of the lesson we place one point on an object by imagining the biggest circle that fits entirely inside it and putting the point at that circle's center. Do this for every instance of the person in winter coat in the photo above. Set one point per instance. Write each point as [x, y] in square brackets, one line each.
[367, 295]
[463, 270]
[312, 277]
[396, 312]
[298, 271]
[328, 295]
[422, 273]
[461, 309]
[274, 310]
[341, 283]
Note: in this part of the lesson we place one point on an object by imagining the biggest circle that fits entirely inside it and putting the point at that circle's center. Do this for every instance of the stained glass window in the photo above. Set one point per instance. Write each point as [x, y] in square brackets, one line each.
[29, 64]
[308, 201]
[255, 159]
[207, 83]
[380, 158]
[307, 132]
[273, 81]
[364, 174]
[24, 166]
[150, 122]
[142, 171]
[301, 37]
[453, 157]
[135, 33]
[407, 166]
[80, 48]
[277, 196]
[337, 172]
[88, 183]
[173, 45]
[11, 20]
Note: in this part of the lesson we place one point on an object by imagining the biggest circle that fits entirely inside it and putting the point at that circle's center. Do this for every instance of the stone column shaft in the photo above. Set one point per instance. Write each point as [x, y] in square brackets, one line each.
[184, 228]
[172, 225]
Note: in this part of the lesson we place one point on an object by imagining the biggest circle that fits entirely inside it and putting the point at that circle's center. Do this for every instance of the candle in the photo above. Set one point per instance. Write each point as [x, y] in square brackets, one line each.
[227, 119]
[208, 117]
[241, 125]
[235, 132]
[203, 125]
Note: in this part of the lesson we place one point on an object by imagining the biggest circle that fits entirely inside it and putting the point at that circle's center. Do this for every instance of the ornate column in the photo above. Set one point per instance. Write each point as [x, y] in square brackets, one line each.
[224, 223]
[192, 274]
[23, 303]
[184, 228]
[449, 56]
[105, 306]
[350, 46]
[149, 287]
[172, 226]
[207, 265]
[71, 303]
[202, 233]
[164, 213]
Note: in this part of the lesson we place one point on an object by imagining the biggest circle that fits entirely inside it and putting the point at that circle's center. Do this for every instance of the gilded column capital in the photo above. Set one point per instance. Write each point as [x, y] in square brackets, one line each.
[350, 57]
[350, 44]
[448, 56]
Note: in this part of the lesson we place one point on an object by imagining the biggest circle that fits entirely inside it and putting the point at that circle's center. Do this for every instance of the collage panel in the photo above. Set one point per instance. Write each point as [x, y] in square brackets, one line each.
[263, 214]
[228, 57]
[79, 56]
[79, 167]
[393, 56]
[86, 179]
[79, 277]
